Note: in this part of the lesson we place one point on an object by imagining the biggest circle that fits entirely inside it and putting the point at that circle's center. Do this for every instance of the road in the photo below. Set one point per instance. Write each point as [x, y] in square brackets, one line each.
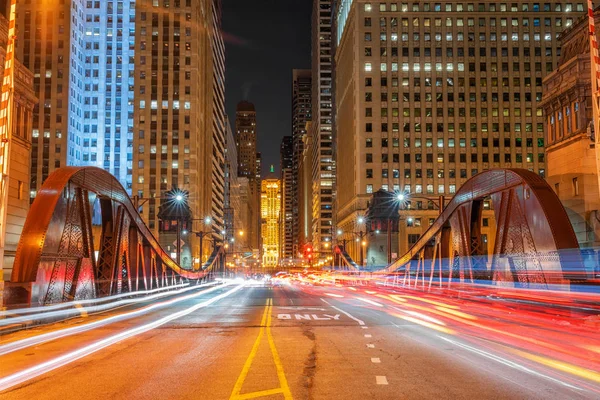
[293, 341]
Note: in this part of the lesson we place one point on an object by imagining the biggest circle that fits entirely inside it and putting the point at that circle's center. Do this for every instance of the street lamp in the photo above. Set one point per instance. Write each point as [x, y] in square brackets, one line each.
[201, 234]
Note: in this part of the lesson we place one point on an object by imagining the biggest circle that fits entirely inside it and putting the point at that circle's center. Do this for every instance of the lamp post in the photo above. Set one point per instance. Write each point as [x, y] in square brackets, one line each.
[359, 238]
[438, 204]
[201, 234]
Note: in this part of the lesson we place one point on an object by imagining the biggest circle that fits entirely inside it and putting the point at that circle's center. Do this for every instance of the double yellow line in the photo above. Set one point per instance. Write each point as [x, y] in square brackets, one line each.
[265, 326]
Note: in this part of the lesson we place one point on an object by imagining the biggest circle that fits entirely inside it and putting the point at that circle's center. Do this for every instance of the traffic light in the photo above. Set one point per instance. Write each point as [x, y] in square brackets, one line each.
[308, 251]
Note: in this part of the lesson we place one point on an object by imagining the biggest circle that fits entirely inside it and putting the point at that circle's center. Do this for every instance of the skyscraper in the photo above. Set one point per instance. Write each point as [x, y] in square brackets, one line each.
[323, 166]
[179, 118]
[83, 77]
[245, 131]
[286, 216]
[301, 114]
[270, 209]
[436, 93]
[232, 186]
[249, 168]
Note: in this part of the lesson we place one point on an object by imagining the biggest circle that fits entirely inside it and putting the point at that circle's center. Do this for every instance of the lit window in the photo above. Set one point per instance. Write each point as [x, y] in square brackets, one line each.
[368, 67]
[367, 6]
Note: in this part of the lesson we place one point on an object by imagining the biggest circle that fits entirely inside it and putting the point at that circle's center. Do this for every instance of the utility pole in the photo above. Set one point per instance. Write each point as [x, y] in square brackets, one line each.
[6, 106]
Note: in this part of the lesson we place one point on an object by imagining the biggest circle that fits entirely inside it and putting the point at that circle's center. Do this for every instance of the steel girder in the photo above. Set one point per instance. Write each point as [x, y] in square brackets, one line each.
[535, 244]
[56, 251]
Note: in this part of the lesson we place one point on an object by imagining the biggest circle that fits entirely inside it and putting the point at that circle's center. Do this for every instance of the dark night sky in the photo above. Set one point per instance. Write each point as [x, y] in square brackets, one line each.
[265, 40]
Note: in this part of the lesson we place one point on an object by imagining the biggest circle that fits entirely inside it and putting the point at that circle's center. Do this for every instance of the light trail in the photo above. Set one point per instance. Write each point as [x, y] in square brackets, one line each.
[47, 337]
[94, 309]
[45, 367]
[506, 362]
[76, 303]
[369, 301]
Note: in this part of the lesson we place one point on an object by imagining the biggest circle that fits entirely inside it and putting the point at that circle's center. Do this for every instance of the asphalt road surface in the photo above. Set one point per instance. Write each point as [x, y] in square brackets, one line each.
[284, 342]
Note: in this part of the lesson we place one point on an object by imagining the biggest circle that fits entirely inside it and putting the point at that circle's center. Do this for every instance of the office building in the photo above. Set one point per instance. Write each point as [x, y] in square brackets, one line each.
[301, 114]
[430, 94]
[286, 216]
[323, 166]
[83, 78]
[179, 113]
[245, 130]
[570, 152]
[24, 101]
[249, 168]
[232, 186]
[305, 194]
[270, 209]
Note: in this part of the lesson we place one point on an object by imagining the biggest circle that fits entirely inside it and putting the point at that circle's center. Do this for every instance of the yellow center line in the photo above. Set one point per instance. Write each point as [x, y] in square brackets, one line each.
[284, 387]
[280, 374]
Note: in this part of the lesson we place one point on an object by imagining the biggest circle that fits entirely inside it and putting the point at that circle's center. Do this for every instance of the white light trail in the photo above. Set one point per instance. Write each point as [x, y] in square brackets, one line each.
[77, 303]
[93, 309]
[47, 337]
[45, 367]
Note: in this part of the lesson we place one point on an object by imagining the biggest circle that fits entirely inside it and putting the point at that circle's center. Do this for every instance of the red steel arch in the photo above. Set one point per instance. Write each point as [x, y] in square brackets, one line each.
[55, 255]
[534, 243]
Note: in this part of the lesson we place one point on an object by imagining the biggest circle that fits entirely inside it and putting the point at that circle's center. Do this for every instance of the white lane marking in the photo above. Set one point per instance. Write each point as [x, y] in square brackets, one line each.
[360, 322]
[368, 336]
[365, 327]
[371, 346]
[9, 381]
[506, 362]
[375, 360]
[381, 380]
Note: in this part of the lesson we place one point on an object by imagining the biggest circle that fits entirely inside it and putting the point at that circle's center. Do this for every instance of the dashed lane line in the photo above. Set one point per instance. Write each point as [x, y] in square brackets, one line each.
[381, 380]
[376, 360]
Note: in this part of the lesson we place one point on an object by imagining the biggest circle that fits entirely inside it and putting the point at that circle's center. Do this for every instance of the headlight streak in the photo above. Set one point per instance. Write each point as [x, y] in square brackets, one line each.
[369, 301]
[46, 337]
[45, 367]
[551, 331]
[426, 324]
[94, 309]
[58, 306]
[506, 362]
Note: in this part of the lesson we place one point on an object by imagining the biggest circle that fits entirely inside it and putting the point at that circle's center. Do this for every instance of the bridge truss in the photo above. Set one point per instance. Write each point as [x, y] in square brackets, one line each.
[83, 238]
[534, 243]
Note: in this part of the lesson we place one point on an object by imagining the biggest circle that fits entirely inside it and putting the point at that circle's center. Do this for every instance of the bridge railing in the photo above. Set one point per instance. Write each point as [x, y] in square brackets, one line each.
[83, 238]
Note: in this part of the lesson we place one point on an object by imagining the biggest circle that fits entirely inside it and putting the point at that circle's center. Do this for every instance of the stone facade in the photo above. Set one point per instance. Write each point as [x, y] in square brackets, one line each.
[570, 150]
[20, 157]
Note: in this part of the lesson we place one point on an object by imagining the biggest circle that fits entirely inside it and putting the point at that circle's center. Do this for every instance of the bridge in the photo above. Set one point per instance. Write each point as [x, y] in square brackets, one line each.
[92, 289]
[84, 239]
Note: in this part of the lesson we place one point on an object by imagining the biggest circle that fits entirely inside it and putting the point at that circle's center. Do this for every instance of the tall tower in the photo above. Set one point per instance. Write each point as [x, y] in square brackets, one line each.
[286, 216]
[323, 166]
[301, 114]
[179, 118]
[270, 210]
[216, 124]
[428, 95]
[83, 78]
[245, 136]
[245, 133]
